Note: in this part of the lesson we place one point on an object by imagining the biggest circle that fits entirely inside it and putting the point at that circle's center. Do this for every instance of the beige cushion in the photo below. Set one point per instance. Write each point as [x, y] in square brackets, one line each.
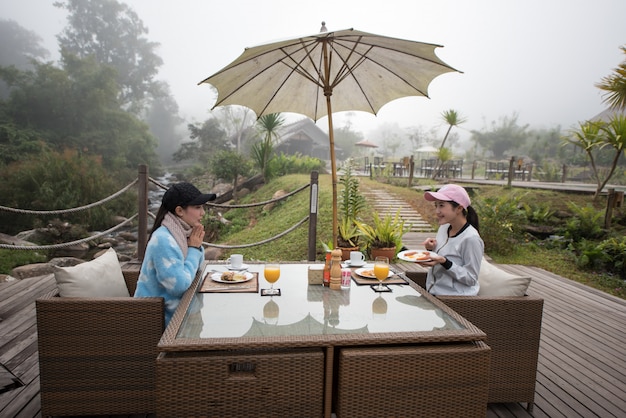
[101, 277]
[496, 282]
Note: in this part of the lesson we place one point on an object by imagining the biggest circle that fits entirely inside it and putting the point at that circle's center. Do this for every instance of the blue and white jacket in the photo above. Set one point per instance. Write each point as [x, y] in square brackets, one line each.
[165, 272]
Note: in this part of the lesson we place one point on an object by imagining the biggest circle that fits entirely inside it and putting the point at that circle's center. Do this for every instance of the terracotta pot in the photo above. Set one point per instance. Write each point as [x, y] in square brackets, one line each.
[345, 252]
[390, 253]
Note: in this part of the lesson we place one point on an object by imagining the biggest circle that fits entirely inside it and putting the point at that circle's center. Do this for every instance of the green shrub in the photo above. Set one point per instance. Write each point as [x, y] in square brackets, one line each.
[608, 256]
[500, 221]
[283, 164]
[55, 181]
[9, 259]
[586, 223]
[540, 213]
[615, 249]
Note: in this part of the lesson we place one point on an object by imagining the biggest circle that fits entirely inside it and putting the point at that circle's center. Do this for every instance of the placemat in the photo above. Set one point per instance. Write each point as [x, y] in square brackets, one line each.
[211, 286]
[360, 280]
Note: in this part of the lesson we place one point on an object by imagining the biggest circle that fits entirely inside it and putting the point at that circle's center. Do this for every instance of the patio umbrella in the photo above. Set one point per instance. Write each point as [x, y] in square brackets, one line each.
[328, 72]
[366, 144]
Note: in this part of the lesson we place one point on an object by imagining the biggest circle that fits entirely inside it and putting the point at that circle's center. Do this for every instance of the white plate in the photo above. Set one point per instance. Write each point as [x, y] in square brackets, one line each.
[363, 270]
[411, 255]
[243, 267]
[217, 277]
[361, 264]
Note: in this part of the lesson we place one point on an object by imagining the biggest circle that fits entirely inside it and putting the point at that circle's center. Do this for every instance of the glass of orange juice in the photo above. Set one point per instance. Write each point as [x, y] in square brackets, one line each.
[381, 271]
[271, 273]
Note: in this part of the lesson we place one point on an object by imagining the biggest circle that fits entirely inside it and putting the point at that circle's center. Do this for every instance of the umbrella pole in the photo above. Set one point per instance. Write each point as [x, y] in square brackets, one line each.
[333, 168]
[328, 92]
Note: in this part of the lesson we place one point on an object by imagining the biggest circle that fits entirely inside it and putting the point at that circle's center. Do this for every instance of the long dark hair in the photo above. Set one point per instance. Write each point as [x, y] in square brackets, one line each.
[470, 214]
[158, 219]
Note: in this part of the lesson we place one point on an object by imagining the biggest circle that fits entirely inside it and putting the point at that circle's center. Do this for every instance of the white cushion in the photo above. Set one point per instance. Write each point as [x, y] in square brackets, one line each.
[496, 282]
[101, 277]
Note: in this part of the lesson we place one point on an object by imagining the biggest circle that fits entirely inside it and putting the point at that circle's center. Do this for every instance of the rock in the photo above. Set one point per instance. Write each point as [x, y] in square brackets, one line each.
[10, 240]
[65, 261]
[212, 253]
[128, 236]
[118, 219]
[32, 270]
[277, 194]
[5, 278]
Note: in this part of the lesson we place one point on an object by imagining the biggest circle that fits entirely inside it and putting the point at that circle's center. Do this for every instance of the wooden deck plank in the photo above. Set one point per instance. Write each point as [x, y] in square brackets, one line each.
[581, 370]
[581, 367]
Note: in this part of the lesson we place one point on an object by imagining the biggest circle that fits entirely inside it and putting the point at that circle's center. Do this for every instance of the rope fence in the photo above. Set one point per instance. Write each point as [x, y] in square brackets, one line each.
[144, 213]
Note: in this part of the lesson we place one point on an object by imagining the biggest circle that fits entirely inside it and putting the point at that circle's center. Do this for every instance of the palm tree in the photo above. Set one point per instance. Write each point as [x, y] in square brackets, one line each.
[615, 86]
[452, 118]
[268, 126]
[592, 136]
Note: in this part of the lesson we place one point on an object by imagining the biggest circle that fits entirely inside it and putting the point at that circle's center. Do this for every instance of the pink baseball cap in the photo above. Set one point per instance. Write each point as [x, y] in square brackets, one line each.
[450, 192]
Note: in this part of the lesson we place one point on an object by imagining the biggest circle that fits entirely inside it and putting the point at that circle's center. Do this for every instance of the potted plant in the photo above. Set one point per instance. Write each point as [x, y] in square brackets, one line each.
[384, 236]
[351, 202]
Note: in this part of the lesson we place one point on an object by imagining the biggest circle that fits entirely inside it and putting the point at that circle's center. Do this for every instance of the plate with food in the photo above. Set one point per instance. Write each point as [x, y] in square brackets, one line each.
[369, 273]
[416, 256]
[231, 276]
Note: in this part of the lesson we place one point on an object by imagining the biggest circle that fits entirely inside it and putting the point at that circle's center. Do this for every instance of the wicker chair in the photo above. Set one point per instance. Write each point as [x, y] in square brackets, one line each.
[513, 328]
[97, 356]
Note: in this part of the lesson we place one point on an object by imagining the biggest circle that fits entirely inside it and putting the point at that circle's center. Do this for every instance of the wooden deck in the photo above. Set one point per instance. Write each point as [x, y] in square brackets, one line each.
[581, 371]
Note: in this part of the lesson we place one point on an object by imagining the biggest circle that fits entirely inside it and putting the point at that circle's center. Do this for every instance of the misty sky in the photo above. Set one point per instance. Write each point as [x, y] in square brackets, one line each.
[539, 59]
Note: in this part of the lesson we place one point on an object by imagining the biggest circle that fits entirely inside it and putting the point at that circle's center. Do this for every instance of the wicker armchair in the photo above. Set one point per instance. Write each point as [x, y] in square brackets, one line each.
[513, 328]
[97, 356]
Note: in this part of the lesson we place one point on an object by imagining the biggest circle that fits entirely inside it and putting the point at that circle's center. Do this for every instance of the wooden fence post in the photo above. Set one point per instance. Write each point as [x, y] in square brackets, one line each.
[411, 168]
[511, 171]
[564, 175]
[473, 169]
[142, 205]
[313, 205]
[614, 200]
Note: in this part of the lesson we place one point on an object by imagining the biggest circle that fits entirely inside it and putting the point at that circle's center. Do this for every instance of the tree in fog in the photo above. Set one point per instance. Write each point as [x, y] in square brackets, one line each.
[112, 33]
[236, 121]
[19, 46]
[162, 117]
[452, 118]
[207, 139]
[262, 150]
[502, 137]
[72, 108]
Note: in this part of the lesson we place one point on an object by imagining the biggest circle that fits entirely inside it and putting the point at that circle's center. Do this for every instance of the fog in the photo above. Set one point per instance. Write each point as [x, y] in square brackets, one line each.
[537, 59]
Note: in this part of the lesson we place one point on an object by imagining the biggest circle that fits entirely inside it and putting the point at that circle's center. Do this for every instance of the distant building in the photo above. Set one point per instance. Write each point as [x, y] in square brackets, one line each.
[607, 114]
[303, 137]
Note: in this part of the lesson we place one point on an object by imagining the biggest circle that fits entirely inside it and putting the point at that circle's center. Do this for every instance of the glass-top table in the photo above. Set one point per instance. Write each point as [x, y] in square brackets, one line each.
[313, 348]
[313, 315]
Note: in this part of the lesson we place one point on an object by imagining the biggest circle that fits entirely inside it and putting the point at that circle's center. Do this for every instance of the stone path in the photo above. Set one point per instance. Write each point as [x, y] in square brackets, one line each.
[386, 203]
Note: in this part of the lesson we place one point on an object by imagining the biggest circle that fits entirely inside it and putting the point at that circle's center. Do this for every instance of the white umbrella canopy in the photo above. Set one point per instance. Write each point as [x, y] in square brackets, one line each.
[366, 144]
[358, 70]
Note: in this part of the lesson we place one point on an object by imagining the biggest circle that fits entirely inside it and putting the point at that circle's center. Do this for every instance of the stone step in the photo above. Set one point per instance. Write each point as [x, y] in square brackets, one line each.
[385, 203]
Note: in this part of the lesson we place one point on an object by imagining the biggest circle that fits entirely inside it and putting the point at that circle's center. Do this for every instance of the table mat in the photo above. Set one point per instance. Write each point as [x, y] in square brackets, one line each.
[210, 286]
[360, 280]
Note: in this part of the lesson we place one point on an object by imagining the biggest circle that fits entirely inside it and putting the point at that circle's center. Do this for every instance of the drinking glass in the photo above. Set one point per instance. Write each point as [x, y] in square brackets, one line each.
[381, 271]
[270, 312]
[271, 273]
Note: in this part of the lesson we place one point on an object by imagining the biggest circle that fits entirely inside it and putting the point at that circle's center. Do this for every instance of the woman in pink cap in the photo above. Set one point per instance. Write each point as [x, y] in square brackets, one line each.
[459, 248]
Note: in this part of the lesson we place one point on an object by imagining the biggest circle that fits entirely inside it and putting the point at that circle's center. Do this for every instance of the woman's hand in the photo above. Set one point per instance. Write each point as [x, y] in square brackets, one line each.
[430, 244]
[434, 260]
[197, 236]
